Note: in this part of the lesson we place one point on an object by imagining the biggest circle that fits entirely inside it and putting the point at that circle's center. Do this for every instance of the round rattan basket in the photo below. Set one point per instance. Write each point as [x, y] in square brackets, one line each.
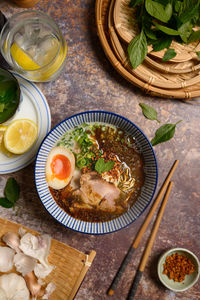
[172, 80]
[123, 20]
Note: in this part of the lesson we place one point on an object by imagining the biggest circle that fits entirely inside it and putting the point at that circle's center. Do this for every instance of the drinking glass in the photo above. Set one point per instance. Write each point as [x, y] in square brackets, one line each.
[33, 45]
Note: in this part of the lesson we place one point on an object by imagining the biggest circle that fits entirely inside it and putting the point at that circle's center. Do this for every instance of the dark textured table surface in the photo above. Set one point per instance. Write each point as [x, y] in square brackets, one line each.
[89, 82]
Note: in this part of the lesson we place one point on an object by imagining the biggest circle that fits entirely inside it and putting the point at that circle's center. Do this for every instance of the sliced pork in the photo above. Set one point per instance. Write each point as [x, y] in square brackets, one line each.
[96, 192]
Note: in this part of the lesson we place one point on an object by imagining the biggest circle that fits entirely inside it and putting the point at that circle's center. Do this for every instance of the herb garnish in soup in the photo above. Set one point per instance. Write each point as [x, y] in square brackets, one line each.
[95, 172]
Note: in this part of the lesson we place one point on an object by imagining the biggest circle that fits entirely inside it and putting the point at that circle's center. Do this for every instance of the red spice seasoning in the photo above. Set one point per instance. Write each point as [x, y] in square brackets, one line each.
[176, 266]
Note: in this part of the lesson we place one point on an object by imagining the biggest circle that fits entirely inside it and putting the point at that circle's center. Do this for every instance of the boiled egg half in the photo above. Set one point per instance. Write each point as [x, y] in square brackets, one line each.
[60, 167]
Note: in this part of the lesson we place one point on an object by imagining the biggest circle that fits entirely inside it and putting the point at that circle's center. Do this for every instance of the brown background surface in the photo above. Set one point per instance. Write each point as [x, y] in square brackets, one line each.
[89, 82]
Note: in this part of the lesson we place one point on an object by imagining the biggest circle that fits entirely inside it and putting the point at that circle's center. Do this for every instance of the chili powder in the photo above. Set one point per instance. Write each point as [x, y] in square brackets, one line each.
[176, 266]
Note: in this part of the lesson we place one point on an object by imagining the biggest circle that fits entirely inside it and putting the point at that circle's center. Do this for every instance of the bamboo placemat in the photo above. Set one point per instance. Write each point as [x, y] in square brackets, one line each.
[187, 91]
[71, 264]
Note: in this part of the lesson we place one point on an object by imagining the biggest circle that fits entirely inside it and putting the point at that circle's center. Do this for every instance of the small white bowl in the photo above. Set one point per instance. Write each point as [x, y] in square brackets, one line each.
[189, 280]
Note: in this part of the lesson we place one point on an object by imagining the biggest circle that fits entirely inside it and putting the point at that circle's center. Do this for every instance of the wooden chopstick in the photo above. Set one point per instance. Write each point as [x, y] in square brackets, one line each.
[151, 240]
[141, 231]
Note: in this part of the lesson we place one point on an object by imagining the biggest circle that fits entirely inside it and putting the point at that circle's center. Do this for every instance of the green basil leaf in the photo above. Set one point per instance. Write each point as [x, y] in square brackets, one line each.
[12, 190]
[158, 11]
[185, 31]
[178, 6]
[166, 30]
[198, 54]
[195, 36]
[149, 112]
[137, 50]
[169, 54]
[102, 166]
[162, 43]
[164, 133]
[5, 203]
[2, 106]
[190, 13]
[150, 34]
[134, 3]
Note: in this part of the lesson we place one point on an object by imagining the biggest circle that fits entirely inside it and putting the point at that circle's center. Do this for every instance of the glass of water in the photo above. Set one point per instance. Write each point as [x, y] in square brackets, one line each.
[33, 45]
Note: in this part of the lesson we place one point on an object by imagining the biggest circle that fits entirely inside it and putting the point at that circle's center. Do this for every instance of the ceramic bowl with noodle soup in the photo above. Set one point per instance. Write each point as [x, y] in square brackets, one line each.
[96, 172]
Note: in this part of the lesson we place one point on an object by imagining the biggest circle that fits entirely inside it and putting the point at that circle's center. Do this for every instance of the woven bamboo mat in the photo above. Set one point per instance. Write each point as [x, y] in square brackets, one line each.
[71, 264]
[170, 80]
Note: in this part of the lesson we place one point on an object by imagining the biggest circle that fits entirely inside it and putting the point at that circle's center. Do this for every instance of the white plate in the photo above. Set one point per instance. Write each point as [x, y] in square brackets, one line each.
[33, 105]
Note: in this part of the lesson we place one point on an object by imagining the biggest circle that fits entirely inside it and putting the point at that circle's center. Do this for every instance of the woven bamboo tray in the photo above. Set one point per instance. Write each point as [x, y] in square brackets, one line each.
[127, 32]
[111, 50]
[71, 264]
[123, 19]
[145, 71]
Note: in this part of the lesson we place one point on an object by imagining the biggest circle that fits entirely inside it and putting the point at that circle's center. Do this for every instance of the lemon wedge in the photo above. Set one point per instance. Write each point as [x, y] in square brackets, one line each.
[2, 130]
[20, 135]
[22, 58]
[2, 146]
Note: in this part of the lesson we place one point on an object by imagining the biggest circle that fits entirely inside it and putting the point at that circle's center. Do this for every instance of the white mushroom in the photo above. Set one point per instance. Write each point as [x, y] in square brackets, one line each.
[12, 240]
[49, 290]
[6, 259]
[3, 295]
[22, 231]
[42, 271]
[24, 263]
[36, 246]
[33, 285]
[14, 287]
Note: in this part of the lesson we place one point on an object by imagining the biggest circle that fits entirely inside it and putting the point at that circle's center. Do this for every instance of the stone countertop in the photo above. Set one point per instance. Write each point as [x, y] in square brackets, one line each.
[89, 82]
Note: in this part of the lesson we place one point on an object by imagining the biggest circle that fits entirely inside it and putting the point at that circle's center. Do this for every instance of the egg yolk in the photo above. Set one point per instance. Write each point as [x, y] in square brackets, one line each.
[60, 167]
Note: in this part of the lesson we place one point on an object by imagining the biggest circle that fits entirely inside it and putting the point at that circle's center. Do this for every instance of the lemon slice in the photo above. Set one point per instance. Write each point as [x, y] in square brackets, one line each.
[20, 135]
[22, 58]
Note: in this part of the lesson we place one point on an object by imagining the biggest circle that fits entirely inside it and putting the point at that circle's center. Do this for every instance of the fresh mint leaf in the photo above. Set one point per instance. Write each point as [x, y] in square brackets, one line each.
[12, 190]
[169, 54]
[137, 50]
[6, 203]
[162, 43]
[149, 112]
[158, 11]
[164, 133]
[102, 166]
[198, 54]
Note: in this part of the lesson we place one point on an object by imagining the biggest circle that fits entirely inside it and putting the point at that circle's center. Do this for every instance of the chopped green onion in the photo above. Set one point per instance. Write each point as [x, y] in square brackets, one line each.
[81, 163]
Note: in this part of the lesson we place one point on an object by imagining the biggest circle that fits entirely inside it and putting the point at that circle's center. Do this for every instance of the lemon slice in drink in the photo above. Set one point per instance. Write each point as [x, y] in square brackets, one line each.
[58, 61]
[20, 135]
[22, 58]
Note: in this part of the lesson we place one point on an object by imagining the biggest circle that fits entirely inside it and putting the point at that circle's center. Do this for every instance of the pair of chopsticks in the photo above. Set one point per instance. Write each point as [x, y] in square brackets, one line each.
[167, 185]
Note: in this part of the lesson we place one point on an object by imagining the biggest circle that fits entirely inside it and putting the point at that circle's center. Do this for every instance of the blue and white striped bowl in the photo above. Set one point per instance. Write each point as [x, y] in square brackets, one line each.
[150, 167]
